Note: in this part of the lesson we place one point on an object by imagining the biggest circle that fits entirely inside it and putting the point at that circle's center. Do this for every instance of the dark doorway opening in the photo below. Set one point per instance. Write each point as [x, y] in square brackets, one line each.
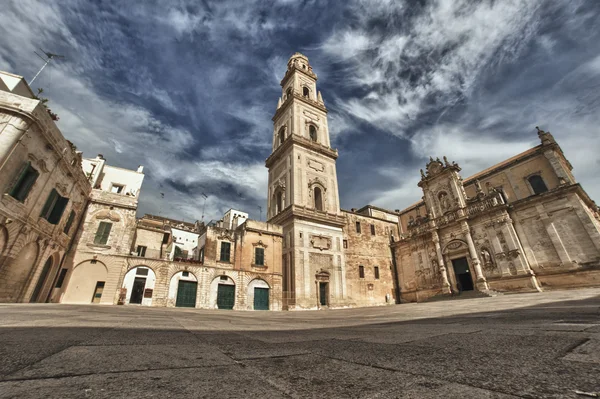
[463, 274]
[323, 294]
[225, 296]
[98, 292]
[186, 294]
[137, 292]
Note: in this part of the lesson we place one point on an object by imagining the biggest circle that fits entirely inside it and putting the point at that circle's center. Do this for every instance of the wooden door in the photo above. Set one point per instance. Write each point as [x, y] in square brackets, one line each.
[323, 294]
[186, 294]
[225, 296]
[261, 298]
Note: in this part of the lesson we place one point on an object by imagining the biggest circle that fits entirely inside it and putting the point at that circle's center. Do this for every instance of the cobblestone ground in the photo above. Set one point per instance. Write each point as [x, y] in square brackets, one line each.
[525, 345]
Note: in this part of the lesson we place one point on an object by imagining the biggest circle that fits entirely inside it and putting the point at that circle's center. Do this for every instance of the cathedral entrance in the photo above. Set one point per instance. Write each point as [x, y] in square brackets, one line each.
[464, 281]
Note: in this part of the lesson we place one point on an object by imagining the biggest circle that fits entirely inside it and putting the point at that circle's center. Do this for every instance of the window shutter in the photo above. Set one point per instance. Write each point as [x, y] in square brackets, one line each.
[259, 255]
[69, 222]
[225, 250]
[52, 197]
[106, 232]
[58, 209]
[102, 233]
[15, 188]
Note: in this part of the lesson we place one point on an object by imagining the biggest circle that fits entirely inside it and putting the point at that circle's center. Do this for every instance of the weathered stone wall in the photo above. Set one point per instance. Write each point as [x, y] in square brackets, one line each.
[370, 251]
[30, 247]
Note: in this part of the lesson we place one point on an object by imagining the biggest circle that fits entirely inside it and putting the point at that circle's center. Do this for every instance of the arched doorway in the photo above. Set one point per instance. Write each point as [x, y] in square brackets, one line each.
[15, 274]
[258, 294]
[183, 289]
[222, 293]
[139, 283]
[37, 295]
[86, 284]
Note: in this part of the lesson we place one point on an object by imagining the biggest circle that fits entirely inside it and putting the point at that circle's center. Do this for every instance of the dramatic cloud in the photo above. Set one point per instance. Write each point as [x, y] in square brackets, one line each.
[188, 88]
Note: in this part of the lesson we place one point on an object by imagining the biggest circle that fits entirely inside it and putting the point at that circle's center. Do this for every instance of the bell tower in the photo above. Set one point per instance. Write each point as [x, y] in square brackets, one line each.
[303, 193]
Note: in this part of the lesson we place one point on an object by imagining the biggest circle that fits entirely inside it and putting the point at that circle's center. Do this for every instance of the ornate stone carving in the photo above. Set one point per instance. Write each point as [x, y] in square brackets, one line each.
[107, 214]
[320, 242]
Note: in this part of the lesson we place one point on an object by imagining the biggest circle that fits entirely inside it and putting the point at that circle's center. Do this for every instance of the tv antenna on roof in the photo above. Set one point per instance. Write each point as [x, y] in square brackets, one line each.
[260, 210]
[48, 57]
[203, 205]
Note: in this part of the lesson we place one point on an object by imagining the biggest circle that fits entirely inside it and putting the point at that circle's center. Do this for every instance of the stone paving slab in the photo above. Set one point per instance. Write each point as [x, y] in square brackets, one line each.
[207, 382]
[340, 379]
[82, 360]
[535, 346]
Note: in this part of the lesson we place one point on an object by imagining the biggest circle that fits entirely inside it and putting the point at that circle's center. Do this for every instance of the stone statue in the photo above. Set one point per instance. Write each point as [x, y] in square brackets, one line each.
[444, 203]
[485, 256]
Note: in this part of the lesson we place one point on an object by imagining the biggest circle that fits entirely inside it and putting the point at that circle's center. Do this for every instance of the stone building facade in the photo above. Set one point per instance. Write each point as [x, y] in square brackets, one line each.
[94, 267]
[370, 264]
[303, 194]
[43, 194]
[522, 225]
[237, 268]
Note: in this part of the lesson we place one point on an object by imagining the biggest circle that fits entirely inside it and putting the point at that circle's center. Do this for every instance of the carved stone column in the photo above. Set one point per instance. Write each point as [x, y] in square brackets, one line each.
[438, 250]
[481, 282]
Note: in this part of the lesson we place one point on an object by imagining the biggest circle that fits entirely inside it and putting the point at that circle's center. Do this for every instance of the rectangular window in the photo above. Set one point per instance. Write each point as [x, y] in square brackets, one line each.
[202, 254]
[117, 188]
[259, 256]
[69, 222]
[102, 233]
[141, 251]
[225, 251]
[376, 270]
[54, 207]
[185, 274]
[61, 278]
[372, 229]
[23, 185]
[358, 227]
[361, 271]
[166, 238]
[141, 271]
[346, 244]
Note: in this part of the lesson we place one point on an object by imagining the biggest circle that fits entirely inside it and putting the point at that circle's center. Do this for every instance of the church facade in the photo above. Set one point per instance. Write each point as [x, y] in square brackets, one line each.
[522, 225]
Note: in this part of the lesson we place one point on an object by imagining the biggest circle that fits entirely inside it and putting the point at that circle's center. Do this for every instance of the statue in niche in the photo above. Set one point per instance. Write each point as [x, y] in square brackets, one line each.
[486, 257]
[444, 201]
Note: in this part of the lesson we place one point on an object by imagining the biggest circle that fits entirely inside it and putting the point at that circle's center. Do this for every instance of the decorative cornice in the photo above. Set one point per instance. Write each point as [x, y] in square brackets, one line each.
[295, 139]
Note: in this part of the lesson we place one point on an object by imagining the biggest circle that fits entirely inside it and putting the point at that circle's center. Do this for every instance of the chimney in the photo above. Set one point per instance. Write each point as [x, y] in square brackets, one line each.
[140, 169]
[100, 156]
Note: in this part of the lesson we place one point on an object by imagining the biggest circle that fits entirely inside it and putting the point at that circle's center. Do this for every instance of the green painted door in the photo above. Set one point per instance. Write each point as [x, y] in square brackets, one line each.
[225, 296]
[186, 294]
[261, 298]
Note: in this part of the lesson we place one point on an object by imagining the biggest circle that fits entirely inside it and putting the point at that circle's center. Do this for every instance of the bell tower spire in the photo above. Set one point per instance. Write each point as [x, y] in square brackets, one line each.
[303, 192]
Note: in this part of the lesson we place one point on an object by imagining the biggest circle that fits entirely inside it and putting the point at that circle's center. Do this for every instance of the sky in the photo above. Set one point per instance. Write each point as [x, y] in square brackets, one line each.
[188, 88]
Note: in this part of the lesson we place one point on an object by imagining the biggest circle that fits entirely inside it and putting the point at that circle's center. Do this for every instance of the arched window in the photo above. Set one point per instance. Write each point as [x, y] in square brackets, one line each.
[318, 199]
[279, 199]
[537, 184]
[288, 93]
[305, 91]
[312, 132]
[281, 135]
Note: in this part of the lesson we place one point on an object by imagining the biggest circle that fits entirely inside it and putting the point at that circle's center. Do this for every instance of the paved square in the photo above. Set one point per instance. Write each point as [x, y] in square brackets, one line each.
[523, 345]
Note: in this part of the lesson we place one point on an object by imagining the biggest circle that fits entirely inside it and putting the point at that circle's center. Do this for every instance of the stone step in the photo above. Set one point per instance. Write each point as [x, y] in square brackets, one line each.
[463, 295]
